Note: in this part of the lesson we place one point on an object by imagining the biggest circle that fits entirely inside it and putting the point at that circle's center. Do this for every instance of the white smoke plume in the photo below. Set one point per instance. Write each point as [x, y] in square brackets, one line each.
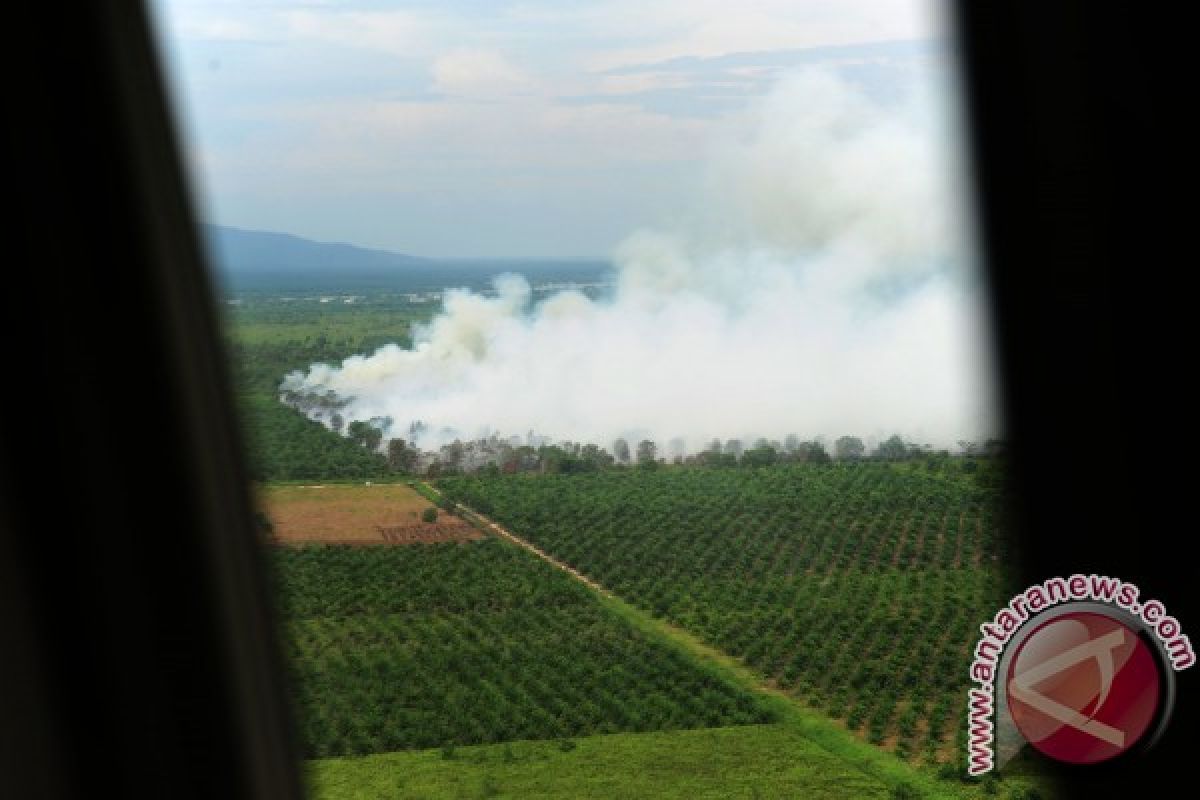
[821, 287]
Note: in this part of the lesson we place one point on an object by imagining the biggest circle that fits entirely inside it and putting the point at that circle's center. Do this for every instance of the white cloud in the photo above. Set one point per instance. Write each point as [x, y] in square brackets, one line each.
[372, 143]
[347, 106]
[399, 33]
[642, 82]
[469, 72]
[217, 29]
[626, 32]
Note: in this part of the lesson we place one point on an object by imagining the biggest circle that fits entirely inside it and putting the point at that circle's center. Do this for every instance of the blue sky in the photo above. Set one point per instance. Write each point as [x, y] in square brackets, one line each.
[493, 129]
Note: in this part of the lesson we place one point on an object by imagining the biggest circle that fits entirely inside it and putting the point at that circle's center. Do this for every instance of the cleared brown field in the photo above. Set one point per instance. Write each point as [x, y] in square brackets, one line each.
[362, 515]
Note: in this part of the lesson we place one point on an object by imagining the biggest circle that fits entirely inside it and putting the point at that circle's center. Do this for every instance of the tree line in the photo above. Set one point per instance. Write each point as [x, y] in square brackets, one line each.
[496, 455]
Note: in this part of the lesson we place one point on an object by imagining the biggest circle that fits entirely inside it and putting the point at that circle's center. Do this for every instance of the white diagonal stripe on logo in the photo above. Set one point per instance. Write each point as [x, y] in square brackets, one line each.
[1021, 686]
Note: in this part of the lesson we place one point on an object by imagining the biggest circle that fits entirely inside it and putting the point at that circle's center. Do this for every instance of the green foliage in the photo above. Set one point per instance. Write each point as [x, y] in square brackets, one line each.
[813, 453]
[566, 458]
[452, 644]
[400, 456]
[266, 342]
[365, 435]
[763, 456]
[286, 445]
[858, 586]
[429, 515]
[764, 761]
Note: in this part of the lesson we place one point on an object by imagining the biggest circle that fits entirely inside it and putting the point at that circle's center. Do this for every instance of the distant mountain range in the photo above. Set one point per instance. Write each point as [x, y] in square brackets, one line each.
[258, 260]
[242, 253]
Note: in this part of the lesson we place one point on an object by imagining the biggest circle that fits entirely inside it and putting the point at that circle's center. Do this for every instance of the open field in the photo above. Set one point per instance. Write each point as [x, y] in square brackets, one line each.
[759, 761]
[335, 324]
[755, 762]
[357, 514]
[856, 589]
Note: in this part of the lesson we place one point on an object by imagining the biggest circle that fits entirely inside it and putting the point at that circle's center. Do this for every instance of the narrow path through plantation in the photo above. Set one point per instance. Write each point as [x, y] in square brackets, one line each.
[537, 551]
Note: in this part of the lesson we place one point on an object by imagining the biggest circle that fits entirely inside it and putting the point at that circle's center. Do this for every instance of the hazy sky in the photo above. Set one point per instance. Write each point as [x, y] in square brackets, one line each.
[481, 128]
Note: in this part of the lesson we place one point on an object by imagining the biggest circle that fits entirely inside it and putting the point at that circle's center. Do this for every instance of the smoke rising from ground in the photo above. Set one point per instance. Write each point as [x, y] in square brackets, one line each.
[820, 287]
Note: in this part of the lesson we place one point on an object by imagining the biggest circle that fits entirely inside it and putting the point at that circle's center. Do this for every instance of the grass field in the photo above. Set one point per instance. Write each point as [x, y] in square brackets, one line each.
[759, 761]
[357, 514]
[335, 322]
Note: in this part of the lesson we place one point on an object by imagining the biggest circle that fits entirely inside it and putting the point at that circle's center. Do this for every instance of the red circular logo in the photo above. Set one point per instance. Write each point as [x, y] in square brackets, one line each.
[1083, 687]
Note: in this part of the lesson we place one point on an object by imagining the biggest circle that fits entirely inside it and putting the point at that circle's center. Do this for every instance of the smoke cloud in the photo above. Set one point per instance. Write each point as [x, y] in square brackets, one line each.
[821, 286]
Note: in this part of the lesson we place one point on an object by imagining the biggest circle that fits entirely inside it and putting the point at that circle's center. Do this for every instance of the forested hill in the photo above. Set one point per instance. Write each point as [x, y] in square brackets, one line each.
[240, 253]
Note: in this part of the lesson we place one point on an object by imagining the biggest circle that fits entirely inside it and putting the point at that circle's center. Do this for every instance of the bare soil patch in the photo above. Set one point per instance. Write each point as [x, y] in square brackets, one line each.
[379, 514]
